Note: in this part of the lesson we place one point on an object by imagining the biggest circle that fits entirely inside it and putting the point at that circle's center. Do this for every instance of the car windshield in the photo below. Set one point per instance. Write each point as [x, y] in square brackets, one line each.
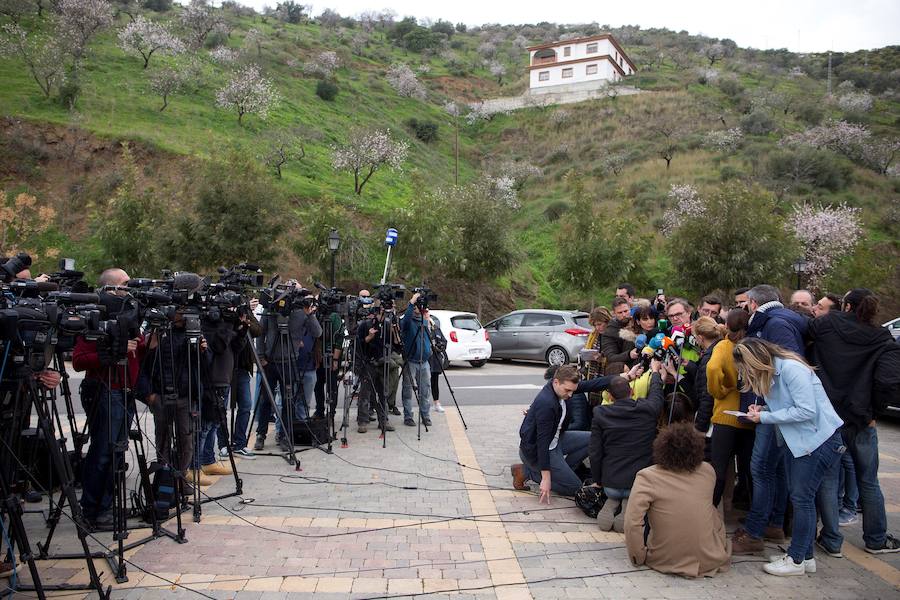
[583, 321]
[469, 322]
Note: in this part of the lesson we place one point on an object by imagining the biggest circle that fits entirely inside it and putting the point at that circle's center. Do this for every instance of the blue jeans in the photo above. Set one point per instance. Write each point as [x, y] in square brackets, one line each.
[863, 447]
[571, 450]
[205, 454]
[244, 403]
[422, 373]
[848, 492]
[767, 505]
[828, 503]
[308, 381]
[109, 425]
[806, 474]
[616, 493]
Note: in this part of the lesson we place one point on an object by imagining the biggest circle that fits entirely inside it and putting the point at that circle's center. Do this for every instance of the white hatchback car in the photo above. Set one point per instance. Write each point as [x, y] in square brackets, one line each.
[467, 339]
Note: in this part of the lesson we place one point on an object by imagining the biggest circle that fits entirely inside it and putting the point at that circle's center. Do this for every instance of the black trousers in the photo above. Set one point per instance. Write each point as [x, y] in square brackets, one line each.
[320, 389]
[371, 395]
[728, 442]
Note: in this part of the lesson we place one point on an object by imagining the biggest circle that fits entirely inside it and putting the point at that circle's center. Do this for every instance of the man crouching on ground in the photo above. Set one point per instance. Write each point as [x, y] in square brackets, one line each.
[548, 451]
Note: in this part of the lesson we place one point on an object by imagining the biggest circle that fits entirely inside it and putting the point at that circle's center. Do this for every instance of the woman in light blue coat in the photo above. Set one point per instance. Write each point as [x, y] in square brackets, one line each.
[796, 403]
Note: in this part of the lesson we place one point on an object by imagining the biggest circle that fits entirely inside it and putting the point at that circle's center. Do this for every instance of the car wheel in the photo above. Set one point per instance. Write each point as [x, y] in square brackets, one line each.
[557, 356]
[478, 363]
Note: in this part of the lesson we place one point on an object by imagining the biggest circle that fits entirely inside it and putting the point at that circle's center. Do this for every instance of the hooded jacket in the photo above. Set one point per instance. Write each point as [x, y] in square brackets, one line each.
[617, 342]
[779, 325]
[845, 351]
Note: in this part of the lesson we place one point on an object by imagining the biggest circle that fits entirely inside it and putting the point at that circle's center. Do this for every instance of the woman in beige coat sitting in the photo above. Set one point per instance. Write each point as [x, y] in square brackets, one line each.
[684, 534]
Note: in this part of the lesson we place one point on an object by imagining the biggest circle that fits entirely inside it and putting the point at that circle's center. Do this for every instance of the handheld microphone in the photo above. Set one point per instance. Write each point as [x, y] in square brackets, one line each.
[640, 341]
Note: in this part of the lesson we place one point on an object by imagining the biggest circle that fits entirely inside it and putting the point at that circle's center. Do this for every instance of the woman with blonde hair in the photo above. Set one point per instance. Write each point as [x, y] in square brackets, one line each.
[730, 437]
[796, 403]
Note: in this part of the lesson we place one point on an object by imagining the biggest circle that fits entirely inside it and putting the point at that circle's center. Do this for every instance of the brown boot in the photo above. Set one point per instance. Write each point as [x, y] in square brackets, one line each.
[216, 468]
[518, 475]
[774, 534]
[744, 543]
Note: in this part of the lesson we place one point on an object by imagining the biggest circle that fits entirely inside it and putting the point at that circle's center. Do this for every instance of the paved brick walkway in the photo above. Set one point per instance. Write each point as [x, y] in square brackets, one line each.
[369, 522]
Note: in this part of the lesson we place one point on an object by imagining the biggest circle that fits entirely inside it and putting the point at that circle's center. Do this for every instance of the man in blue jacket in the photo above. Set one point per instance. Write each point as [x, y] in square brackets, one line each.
[549, 453]
[417, 352]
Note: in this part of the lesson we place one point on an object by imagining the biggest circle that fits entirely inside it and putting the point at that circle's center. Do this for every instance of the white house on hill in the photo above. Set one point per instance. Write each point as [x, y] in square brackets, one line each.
[577, 64]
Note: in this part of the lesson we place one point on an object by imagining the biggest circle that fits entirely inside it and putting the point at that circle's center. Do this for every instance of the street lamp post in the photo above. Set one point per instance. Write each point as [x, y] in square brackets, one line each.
[334, 242]
[800, 266]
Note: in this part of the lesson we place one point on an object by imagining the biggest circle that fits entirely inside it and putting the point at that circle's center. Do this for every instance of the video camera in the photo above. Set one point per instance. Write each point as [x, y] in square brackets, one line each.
[426, 295]
[387, 293]
[331, 300]
[241, 276]
[13, 265]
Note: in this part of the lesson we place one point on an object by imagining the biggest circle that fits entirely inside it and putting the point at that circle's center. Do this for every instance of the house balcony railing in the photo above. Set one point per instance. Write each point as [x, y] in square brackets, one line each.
[546, 60]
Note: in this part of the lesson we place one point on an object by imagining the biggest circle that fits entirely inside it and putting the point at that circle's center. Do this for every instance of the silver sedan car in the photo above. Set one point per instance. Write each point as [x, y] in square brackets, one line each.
[551, 336]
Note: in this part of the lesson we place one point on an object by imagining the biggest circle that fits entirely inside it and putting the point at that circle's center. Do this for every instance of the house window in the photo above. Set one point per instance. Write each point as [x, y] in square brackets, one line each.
[591, 70]
[567, 51]
[567, 73]
[544, 76]
[592, 48]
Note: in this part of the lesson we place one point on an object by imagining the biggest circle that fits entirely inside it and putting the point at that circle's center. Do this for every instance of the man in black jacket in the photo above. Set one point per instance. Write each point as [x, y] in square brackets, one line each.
[549, 452]
[846, 346]
[621, 443]
[617, 342]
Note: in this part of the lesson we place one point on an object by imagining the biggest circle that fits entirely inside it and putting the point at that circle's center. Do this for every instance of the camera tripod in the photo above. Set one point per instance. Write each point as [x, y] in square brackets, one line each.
[18, 404]
[119, 431]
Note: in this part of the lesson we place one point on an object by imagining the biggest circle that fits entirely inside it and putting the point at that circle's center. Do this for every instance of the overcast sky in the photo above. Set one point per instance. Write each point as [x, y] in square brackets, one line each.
[799, 25]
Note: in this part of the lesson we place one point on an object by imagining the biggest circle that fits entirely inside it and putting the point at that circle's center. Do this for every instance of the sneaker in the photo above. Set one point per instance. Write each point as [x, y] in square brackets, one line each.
[362, 429]
[744, 543]
[774, 534]
[284, 445]
[606, 516]
[809, 565]
[318, 415]
[426, 421]
[845, 518]
[438, 407]
[32, 496]
[245, 453]
[409, 422]
[372, 417]
[388, 427]
[223, 453]
[260, 443]
[832, 553]
[891, 545]
[395, 411]
[785, 567]
[104, 519]
[619, 521]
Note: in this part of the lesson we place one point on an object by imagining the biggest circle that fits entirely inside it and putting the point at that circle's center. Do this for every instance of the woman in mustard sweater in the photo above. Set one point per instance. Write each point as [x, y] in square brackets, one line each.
[730, 437]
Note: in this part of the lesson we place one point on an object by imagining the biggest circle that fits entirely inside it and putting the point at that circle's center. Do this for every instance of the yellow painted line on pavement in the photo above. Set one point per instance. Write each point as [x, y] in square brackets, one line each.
[503, 566]
[871, 563]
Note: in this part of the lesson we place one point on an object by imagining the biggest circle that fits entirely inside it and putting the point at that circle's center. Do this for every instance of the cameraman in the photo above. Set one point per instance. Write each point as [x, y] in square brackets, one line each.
[417, 345]
[372, 352]
[329, 348]
[104, 400]
[279, 359]
[243, 367]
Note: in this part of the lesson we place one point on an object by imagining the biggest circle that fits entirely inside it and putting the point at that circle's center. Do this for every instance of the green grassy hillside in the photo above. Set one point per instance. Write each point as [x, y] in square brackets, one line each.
[70, 158]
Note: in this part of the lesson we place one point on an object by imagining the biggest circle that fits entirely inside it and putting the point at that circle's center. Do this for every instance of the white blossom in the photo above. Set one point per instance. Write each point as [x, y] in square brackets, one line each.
[325, 64]
[405, 82]
[146, 37]
[166, 82]
[247, 92]
[826, 234]
[856, 102]
[503, 190]
[366, 152]
[477, 112]
[79, 21]
[684, 203]
[497, 70]
[200, 20]
[724, 140]
[224, 55]
[42, 56]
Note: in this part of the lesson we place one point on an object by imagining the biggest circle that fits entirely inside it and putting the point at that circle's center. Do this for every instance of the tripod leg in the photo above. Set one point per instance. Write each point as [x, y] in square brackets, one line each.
[19, 538]
[221, 401]
[453, 395]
